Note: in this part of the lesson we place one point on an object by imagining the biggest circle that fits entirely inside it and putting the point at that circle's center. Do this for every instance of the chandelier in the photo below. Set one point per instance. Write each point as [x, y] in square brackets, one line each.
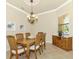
[32, 18]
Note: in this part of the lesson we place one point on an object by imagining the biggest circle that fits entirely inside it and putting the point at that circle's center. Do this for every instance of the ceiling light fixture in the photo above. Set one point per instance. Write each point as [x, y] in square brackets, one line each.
[32, 18]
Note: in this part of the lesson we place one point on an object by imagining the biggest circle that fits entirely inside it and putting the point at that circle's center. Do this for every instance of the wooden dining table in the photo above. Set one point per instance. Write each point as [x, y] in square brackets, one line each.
[27, 44]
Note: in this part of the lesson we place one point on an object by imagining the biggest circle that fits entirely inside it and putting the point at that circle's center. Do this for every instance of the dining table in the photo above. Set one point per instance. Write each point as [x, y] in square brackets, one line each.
[27, 43]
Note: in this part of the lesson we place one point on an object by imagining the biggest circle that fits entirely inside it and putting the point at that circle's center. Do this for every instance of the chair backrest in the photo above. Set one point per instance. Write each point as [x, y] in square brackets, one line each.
[11, 41]
[38, 39]
[27, 34]
[44, 36]
[19, 36]
[40, 32]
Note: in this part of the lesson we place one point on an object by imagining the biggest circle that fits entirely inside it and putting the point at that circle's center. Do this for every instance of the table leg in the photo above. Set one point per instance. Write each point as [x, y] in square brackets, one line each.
[28, 52]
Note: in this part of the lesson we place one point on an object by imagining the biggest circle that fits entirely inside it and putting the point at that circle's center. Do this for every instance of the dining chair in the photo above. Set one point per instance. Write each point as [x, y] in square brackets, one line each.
[27, 35]
[19, 36]
[41, 42]
[36, 47]
[14, 50]
[44, 40]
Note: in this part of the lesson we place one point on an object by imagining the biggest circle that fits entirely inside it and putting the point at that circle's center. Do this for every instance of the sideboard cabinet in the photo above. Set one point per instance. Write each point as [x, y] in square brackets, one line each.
[62, 42]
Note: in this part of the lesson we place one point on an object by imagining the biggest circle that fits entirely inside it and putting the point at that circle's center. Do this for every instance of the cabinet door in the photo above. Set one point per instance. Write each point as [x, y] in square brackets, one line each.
[58, 41]
[68, 44]
[63, 44]
[54, 40]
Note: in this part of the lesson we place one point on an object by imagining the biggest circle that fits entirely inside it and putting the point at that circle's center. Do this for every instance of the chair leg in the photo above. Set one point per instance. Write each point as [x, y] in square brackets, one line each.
[42, 48]
[35, 55]
[28, 52]
[45, 45]
[24, 50]
[40, 51]
[16, 56]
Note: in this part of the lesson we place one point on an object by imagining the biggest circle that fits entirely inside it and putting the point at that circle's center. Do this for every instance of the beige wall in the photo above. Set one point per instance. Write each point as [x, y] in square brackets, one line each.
[17, 17]
[48, 22]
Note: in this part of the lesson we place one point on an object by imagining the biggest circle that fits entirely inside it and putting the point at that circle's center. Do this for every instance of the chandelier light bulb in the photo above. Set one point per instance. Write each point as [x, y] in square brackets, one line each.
[27, 16]
[33, 15]
[36, 17]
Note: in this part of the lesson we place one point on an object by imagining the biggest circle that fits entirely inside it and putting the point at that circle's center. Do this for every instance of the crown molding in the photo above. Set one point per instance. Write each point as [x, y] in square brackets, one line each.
[54, 10]
[18, 9]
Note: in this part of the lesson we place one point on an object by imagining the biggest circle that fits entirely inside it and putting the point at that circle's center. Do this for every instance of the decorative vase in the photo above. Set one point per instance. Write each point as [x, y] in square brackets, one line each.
[60, 33]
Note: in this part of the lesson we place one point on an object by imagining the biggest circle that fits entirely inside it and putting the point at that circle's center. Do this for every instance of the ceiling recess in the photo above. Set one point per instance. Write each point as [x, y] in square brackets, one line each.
[35, 2]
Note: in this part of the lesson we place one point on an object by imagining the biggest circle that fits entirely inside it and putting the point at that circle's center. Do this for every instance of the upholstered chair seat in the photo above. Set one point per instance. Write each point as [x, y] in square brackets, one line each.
[33, 47]
[19, 51]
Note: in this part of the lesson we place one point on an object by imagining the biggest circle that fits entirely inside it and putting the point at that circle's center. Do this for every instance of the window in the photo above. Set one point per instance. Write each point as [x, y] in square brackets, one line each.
[63, 25]
[66, 25]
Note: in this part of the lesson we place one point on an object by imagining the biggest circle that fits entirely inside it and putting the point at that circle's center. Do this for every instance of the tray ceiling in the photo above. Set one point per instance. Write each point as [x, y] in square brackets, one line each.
[39, 6]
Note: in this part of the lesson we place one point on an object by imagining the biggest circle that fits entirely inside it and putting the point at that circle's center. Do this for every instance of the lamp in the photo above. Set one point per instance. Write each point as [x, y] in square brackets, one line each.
[32, 18]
